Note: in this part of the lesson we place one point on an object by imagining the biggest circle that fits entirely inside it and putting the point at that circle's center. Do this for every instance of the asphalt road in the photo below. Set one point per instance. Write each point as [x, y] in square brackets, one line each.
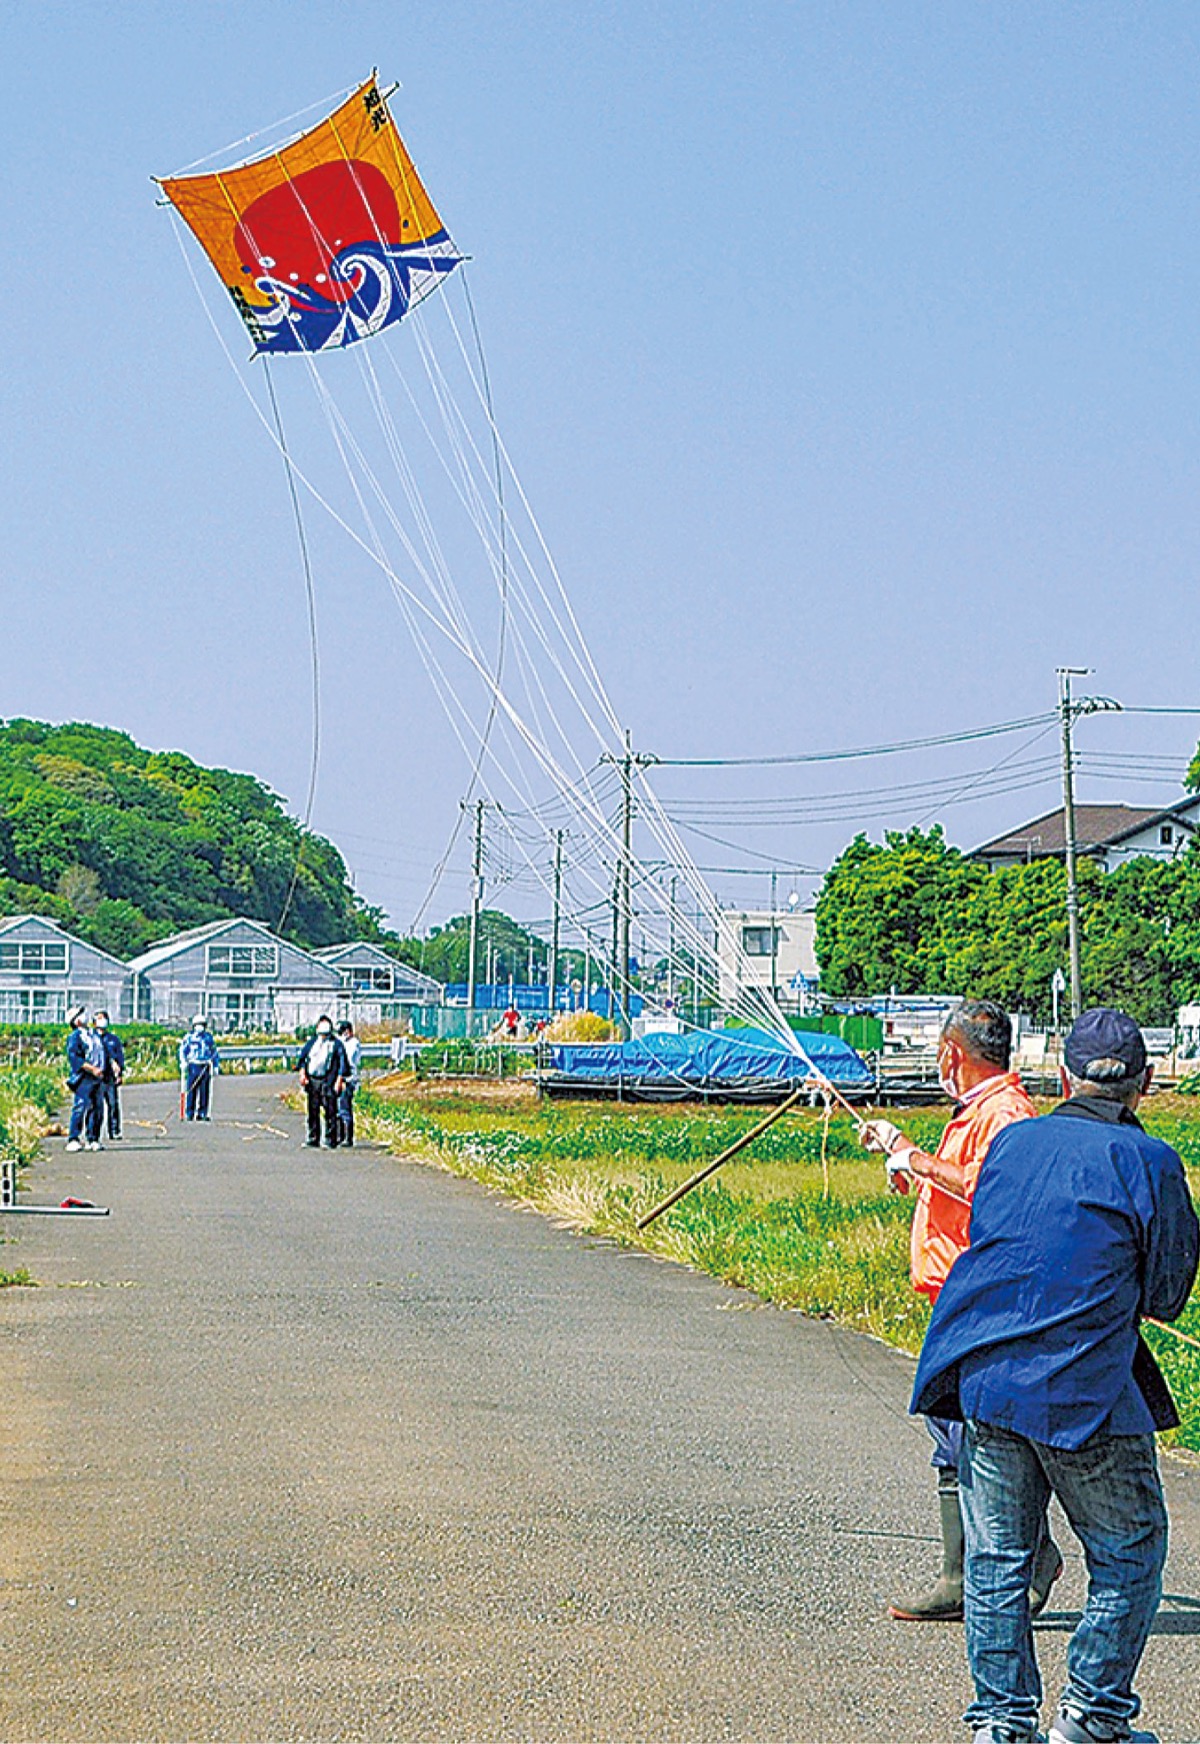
[301, 1445]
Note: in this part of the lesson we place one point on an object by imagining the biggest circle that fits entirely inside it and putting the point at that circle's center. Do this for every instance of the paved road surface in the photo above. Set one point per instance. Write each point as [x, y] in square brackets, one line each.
[329, 1446]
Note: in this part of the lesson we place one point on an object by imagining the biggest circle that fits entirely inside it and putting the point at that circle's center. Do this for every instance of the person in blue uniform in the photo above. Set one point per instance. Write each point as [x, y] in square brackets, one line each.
[114, 1072]
[1082, 1227]
[198, 1061]
[85, 1075]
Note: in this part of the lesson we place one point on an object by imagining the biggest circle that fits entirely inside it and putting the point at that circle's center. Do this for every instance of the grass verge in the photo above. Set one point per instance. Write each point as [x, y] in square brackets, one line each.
[799, 1218]
[29, 1097]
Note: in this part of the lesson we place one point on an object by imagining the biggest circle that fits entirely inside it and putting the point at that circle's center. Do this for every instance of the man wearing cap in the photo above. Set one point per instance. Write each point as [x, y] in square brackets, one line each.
[198, 1061]
[85, 1076]
[350, 1082]
[1082, 1226]
[974, 1053]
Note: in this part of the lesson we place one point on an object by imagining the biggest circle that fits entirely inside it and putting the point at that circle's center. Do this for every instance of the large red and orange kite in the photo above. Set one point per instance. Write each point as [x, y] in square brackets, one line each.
[327, 240]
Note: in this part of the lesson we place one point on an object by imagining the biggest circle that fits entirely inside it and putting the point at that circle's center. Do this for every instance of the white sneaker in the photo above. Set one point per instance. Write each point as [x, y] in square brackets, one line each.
[73, 1144]
[1068, 1730]
[95, 1145]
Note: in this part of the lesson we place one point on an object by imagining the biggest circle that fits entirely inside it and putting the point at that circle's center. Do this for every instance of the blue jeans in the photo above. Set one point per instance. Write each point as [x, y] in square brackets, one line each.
[1110, 1491]
[345, 1110]
[198, 1086]
[947, 1443]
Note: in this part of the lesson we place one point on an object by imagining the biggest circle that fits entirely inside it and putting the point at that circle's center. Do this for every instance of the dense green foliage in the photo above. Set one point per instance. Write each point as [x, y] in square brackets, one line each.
[124, 846]
[915, 915]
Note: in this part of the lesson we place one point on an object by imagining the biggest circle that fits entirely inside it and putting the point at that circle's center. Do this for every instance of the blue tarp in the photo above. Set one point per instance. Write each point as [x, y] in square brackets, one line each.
[711, 1060]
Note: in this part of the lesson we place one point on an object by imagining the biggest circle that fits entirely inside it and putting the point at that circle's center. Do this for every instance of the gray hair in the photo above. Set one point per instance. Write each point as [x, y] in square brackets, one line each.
[1108, 1081]
[983, 1029]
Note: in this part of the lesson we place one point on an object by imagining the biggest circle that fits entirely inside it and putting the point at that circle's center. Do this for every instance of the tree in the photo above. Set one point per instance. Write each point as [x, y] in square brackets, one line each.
[140, 844]
[911, 914]
[890, 914]
[502, 940]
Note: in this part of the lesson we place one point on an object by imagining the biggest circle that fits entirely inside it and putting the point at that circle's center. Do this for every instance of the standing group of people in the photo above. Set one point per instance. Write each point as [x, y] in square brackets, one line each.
[1043, 1244]
[95, 1068]
[330, 1067]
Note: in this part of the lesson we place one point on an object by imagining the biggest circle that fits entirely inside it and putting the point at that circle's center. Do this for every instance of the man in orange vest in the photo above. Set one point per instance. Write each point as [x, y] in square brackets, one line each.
[974, 1051]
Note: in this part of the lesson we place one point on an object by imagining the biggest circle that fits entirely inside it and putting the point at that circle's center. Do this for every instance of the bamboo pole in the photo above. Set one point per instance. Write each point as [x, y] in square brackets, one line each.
[739, 1144]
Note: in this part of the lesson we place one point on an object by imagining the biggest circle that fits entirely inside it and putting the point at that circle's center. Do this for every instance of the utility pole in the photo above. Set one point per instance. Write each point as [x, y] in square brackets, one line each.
[476, 901]
[623, 892]
[774, 937]
[552, 966]
[1068, 710]
[671, 941]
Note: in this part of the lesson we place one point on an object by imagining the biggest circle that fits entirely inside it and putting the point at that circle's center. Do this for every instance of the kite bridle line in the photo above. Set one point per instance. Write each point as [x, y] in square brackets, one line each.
[311, 599]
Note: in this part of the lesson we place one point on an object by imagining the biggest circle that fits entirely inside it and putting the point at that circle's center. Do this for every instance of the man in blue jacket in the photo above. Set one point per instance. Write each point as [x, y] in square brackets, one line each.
[114, 1073]
[85, 1076]
[198, 1062]
[1082, 1226]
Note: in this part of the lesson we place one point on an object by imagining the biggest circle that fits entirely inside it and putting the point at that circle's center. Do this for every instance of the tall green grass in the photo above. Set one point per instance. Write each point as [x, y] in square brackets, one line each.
[29, 1097]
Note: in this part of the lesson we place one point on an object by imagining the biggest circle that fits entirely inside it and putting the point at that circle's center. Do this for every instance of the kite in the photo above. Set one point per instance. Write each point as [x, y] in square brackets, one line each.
[331, 238]
[326, 241]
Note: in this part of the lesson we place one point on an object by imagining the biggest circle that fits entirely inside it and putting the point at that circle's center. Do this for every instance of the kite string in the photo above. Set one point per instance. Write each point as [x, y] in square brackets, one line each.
[460, 635]
[502, 636]
[311, 597]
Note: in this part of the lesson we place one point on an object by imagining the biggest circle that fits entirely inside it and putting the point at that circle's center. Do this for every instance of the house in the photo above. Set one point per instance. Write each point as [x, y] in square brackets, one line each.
[1108, 834]
[375, 988]
[45, 972]
[760, 950]
[237, 973]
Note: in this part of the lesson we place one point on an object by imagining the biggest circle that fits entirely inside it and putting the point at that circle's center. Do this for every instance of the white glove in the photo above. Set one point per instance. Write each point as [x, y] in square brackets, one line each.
[899, 1174]
[881, 1135]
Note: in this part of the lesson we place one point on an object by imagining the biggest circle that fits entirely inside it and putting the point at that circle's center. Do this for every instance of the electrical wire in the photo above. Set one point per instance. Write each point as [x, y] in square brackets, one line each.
[863, 751]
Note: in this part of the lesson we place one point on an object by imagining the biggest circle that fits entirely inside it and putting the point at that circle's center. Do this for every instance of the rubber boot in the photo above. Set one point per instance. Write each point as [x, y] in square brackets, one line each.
[943, 1603]
[1047, 1566]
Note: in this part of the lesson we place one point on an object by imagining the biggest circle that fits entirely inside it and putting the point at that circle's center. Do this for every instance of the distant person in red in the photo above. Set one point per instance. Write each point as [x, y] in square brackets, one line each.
[512, 1023]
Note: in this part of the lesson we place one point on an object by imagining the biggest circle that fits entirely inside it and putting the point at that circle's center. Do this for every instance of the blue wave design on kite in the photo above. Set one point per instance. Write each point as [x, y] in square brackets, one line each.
[388, 280]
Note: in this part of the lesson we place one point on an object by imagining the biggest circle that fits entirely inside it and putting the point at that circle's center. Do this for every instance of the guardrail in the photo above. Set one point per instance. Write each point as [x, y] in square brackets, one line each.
[286, 1052]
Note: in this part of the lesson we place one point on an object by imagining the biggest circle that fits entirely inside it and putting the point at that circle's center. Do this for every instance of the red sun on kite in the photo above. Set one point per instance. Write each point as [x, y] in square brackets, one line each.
[296, 231]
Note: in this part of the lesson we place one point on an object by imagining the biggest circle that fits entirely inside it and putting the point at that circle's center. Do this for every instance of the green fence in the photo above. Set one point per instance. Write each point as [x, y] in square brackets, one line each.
[865, 1034]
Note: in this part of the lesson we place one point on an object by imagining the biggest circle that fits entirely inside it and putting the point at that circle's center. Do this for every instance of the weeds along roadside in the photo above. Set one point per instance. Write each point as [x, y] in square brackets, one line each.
[30, 1097]
[766, 1224]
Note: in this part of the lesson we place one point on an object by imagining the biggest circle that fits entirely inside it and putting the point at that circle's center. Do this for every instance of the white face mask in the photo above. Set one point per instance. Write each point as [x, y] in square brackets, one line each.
[946, 1080]
[323, 1029]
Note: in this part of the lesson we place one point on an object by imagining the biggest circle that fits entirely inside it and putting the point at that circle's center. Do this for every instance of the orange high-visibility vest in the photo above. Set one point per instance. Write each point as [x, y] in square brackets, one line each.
[941, 1227]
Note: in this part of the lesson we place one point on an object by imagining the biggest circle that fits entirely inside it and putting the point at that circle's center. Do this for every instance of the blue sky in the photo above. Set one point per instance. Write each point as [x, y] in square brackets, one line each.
[846, 351]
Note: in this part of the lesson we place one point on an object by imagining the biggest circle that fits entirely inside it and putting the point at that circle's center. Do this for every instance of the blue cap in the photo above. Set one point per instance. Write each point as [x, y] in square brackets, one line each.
[1104, 1034]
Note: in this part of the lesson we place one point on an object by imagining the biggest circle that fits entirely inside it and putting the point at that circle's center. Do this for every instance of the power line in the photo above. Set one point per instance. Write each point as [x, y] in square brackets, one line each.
[864, 751]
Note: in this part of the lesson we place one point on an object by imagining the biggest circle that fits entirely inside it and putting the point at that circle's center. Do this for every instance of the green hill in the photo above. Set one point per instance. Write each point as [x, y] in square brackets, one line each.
[124, 846]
